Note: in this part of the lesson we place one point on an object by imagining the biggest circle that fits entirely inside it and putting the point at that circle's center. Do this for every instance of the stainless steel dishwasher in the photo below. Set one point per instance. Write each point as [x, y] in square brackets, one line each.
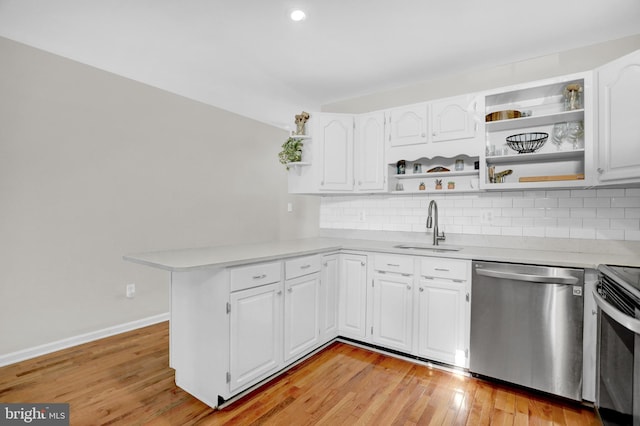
[526, 326]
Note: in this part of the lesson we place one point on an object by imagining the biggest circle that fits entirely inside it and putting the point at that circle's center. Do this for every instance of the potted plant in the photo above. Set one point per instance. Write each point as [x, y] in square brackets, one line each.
[451, 185]
[291, 152]
[438, 183]
[422, 187]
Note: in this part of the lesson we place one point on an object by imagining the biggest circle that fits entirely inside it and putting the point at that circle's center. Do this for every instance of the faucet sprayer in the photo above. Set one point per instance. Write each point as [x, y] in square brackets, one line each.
[437, 236]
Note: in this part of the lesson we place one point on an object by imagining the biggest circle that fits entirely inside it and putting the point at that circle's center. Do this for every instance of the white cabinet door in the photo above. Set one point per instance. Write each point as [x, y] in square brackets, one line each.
[334, 135]
[369, 152]
[408, 125]
[454, 118]
[443, 311]
[353, 296]
[618, 112]
[329, 284]
[255, 334]
[393, 311]
[301, 315]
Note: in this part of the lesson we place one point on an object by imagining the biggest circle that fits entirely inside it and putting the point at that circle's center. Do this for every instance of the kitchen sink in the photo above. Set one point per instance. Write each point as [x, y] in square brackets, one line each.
[430, 247]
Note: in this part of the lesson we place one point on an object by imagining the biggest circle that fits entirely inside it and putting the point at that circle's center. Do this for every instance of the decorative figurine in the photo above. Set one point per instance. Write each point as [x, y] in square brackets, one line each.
[301, 119]
[401, 165]
[422, 186]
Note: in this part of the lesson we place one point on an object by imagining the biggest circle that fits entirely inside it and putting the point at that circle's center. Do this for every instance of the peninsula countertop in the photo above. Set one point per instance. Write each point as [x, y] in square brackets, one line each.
[239, 254]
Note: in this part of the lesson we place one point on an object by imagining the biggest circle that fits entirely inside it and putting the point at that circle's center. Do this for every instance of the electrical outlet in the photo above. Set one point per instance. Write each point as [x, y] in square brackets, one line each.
[131, 290]
[289, 207]
[486, 217]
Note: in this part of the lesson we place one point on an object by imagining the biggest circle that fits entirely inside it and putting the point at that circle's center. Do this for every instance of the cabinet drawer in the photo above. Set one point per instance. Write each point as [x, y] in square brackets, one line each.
[393, 263]
[301, 266]
[244, 277]
[439, 267]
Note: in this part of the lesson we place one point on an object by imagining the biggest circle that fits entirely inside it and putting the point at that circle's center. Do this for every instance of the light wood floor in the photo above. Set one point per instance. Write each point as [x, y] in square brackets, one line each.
[125, 380]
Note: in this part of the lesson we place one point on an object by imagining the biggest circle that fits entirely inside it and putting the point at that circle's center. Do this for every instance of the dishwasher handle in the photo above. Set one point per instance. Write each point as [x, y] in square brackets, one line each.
[528, 277]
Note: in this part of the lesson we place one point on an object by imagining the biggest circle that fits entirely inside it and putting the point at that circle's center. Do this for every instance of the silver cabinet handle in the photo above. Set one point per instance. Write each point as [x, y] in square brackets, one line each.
[624, 320]
[421, 289]
[259, 277]
[527, 277]
[442, 269]
[362, 263]
[279, 293]
[290, 290]
[305, 266]
[408, 287]
[395, 265]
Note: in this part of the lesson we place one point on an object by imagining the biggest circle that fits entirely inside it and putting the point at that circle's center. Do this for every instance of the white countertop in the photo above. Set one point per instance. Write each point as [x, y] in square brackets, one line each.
[222, 256]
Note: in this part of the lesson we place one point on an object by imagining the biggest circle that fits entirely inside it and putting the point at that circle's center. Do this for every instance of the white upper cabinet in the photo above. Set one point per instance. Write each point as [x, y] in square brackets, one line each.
[444, 128]
[333, 136]
[408, 125]
[455, 118]
[369, 152]
[618, 112]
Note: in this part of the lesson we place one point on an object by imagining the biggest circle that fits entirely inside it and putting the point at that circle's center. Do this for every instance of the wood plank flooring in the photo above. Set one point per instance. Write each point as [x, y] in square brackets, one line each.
[125, 380]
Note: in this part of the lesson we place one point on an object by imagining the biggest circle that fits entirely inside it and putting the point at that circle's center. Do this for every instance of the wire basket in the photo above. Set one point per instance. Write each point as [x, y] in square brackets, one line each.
[525, 143]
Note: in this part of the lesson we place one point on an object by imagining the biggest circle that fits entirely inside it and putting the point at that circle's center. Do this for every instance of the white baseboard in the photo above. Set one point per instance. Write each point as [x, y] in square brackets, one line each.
[12, 358]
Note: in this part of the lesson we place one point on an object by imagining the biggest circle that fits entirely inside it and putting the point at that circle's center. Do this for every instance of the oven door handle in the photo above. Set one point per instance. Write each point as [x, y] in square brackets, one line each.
[630, 323]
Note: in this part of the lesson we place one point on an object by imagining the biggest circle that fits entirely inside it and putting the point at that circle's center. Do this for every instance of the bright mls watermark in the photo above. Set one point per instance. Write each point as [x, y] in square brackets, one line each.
[34, 414]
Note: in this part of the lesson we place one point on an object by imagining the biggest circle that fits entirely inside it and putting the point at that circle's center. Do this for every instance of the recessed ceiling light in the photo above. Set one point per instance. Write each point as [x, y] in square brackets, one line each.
[298, 15]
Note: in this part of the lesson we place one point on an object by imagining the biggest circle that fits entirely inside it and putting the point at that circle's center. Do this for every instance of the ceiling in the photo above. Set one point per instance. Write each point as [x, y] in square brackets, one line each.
[248, 57]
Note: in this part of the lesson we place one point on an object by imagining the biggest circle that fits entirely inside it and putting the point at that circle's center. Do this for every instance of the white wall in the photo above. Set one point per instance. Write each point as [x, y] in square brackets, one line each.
[94, 166]
[576, 60]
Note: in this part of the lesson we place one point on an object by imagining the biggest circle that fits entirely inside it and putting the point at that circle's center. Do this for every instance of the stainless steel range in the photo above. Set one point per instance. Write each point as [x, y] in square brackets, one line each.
[618, 358]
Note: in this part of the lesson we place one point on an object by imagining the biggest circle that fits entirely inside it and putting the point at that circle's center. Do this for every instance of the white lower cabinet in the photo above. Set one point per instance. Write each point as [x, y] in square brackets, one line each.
[352, 304]
[255, 335]
[393, 311]
[232, 328]
[301, 315]
[444, 310]
[442, 324]
[329, 287]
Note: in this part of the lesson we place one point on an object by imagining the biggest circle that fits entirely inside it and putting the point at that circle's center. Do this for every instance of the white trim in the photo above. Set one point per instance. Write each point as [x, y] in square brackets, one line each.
[24, 354]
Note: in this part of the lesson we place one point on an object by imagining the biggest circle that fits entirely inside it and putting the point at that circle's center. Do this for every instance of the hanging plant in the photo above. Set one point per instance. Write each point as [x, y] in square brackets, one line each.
[291, 152]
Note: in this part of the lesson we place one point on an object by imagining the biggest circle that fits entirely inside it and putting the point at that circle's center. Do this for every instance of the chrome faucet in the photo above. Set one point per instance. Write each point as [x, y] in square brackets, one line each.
[437, 236]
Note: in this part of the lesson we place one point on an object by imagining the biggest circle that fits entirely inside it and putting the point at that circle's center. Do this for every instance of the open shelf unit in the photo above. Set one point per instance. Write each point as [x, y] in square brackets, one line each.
[544, 105]
[464, 180]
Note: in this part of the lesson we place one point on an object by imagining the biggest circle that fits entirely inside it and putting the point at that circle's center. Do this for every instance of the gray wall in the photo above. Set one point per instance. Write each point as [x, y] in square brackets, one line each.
[94, 166]
[474, 80]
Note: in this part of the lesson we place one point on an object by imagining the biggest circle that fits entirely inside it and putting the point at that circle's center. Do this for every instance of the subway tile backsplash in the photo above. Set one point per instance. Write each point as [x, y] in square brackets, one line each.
[596, 214]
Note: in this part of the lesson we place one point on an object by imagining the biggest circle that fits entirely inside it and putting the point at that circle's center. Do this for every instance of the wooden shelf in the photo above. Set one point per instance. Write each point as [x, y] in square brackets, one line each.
[535, 120]
[537, 157]
[438, 174]
[436, 191]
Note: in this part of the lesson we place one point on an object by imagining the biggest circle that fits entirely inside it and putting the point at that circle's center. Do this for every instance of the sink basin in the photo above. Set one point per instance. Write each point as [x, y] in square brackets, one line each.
[430, 247]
